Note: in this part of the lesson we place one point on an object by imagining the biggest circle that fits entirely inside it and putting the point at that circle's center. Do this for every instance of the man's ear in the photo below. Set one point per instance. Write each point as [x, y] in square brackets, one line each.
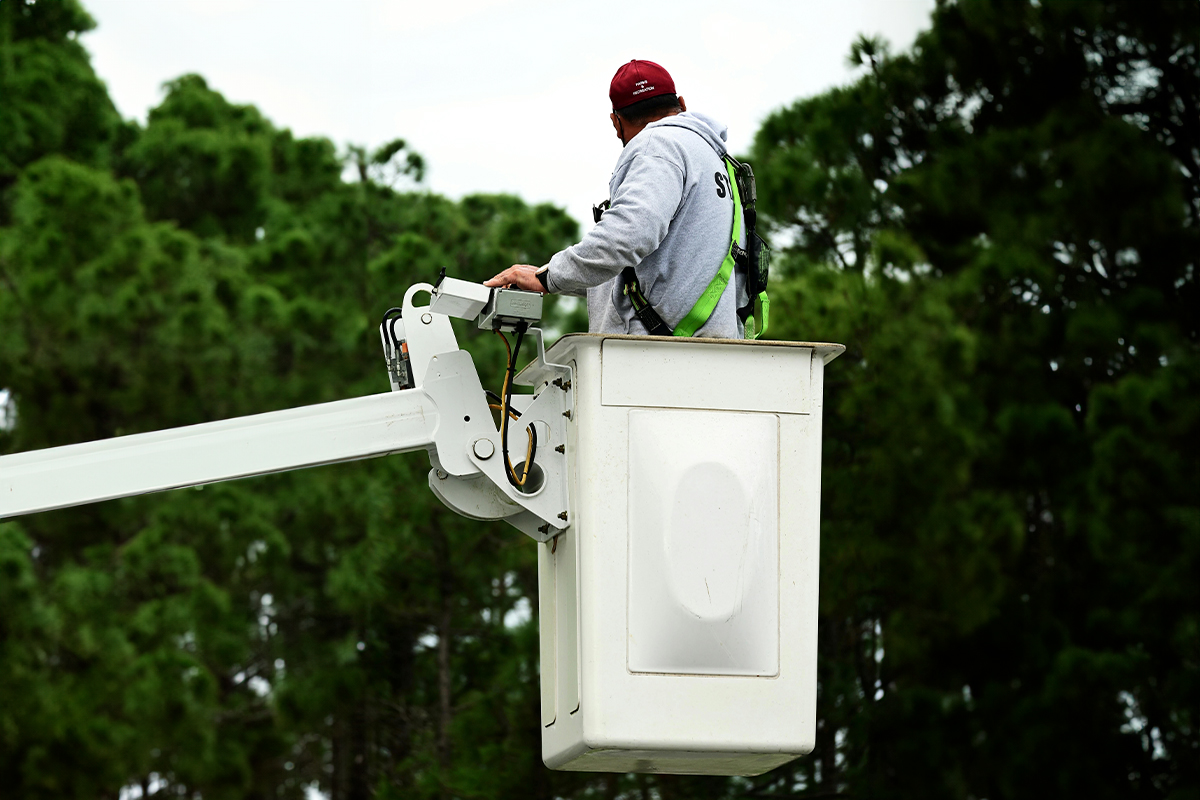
[618, 127]
[682, 104]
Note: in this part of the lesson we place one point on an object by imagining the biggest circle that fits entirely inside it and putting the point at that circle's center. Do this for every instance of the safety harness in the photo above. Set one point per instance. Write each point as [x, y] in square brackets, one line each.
[754, 260]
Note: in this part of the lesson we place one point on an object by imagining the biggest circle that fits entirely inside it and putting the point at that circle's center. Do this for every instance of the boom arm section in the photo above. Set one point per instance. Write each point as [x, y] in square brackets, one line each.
[346, 430]
[444, 412]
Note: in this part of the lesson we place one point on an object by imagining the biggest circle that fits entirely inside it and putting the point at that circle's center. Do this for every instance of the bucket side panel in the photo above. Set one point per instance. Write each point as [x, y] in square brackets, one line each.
[703, 542]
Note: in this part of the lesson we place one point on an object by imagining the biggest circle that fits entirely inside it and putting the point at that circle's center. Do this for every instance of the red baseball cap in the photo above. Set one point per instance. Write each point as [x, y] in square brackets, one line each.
[637, 81]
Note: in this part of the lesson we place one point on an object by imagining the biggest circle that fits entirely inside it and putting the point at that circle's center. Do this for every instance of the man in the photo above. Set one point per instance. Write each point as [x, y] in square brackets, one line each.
[671, 219]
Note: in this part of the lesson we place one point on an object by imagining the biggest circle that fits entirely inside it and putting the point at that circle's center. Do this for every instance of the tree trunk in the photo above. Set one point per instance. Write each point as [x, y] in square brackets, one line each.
[360, 787]
[444, 709]
[446, 589]
[335, 778]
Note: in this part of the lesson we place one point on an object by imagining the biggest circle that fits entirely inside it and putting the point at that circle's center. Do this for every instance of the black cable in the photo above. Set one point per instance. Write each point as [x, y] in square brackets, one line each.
[508, 376]
[532, 447]
[391, 333]
[498, 400]
[506, 403]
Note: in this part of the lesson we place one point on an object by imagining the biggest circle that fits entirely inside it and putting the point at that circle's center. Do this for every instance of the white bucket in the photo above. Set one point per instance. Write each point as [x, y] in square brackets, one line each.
[678, 613]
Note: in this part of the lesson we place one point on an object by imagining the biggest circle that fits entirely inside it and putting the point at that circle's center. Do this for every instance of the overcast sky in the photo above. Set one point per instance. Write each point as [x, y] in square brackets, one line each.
[498, 95]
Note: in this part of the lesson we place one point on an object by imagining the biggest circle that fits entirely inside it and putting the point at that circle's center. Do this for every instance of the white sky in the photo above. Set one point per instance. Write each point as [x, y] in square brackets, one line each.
[498, 95]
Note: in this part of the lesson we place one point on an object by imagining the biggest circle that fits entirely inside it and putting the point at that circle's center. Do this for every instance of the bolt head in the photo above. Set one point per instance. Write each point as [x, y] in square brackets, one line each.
[427, 318]
[441, 475]
[484, 449]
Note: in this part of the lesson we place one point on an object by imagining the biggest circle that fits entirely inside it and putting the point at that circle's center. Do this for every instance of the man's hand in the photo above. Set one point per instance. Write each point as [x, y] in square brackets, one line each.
[521, 276]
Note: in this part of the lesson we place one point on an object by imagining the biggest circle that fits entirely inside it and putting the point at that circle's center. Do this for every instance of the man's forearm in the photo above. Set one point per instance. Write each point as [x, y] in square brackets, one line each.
[614, 244]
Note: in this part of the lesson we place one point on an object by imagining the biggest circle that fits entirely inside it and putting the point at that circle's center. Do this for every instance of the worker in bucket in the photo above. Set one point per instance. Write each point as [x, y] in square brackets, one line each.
[663, 256]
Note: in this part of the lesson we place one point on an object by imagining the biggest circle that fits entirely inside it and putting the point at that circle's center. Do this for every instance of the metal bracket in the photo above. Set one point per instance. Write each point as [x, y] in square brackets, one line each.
[554, 405]
[428, 332]
[468, 443]
[540, 371]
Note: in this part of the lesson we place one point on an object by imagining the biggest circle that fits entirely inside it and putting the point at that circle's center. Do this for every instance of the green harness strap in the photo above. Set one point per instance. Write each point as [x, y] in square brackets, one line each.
[716, 287]
[755, 323]
[764, 310]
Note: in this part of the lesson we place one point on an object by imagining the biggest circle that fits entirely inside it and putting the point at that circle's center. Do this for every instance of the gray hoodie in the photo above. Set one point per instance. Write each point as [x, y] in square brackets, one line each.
[671, 219]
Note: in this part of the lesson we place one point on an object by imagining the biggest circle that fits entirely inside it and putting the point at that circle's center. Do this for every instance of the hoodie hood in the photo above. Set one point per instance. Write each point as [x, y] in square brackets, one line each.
[714, 132]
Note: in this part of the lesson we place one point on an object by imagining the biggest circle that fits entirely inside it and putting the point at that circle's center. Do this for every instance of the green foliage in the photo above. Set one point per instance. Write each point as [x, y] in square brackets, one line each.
[204, 163]
[50, 100]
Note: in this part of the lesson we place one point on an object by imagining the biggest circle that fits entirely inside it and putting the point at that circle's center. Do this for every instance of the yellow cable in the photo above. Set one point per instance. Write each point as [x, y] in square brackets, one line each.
[511, 412]
[505, 412]
[528, 453]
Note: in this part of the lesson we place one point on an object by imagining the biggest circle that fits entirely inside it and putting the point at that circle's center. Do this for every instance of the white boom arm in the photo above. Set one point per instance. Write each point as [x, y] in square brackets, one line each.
[346, 430]
[446, 413]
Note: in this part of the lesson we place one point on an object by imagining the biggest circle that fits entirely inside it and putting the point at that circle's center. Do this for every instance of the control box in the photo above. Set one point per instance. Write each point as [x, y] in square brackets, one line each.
[492, 309]
[507, 308]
